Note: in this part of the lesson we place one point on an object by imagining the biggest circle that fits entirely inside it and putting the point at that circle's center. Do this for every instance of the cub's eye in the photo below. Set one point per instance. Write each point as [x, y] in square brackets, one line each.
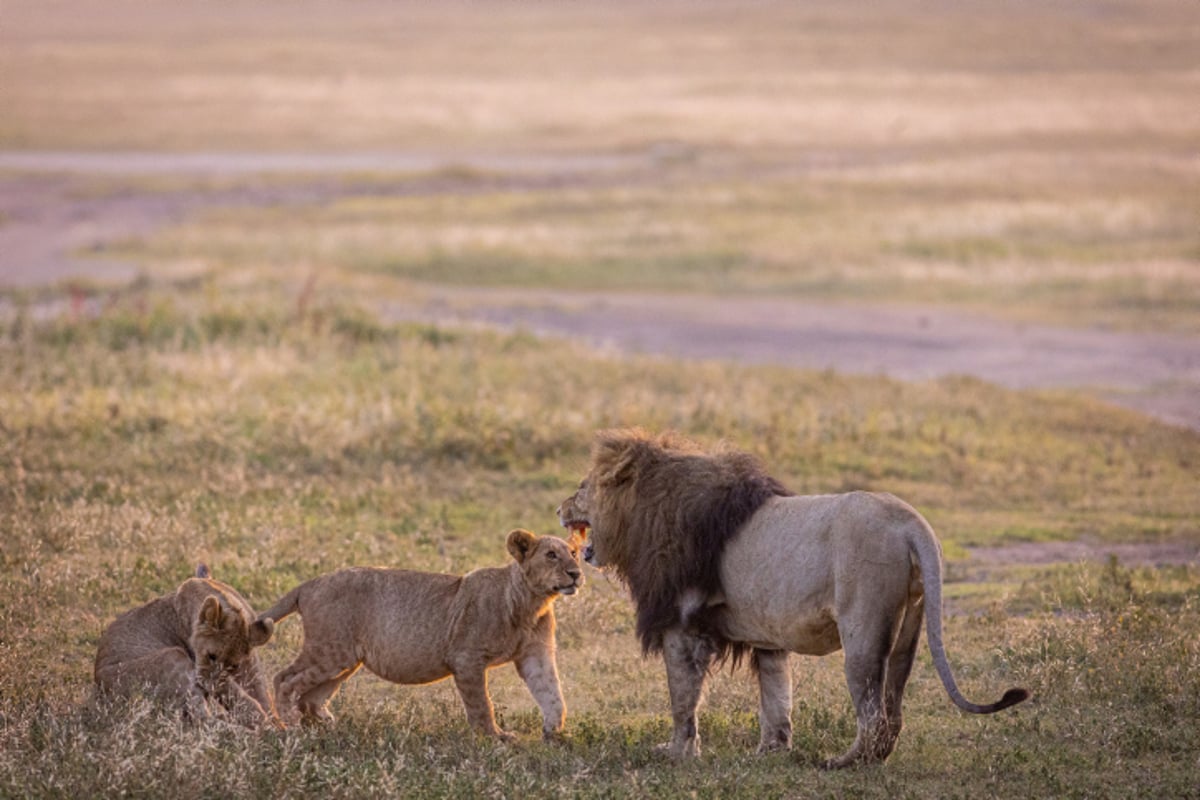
[553, 556]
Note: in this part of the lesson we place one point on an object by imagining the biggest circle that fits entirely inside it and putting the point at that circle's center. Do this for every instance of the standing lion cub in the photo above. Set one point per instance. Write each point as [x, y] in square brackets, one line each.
[190, 647]
[420, 627]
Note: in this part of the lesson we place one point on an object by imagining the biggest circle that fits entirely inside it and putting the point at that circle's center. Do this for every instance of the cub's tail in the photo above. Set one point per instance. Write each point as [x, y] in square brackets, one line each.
[288, 604]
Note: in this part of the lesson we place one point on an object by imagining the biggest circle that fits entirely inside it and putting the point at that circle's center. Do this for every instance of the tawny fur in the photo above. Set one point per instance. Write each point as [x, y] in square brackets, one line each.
[193, 648]
[413, 627]
[807, 575]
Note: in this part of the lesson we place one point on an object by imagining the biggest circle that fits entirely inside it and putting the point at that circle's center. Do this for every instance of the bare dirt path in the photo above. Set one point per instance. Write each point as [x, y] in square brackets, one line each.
[48, 216]
[1155, 373]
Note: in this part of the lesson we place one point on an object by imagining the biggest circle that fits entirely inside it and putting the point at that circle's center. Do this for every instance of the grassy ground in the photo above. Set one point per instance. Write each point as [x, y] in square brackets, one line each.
[1097, 248]
[1028, 159]
[178, 427]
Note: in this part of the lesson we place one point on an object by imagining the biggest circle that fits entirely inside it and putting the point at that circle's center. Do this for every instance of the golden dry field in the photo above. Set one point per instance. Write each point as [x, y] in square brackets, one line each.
[292, 286]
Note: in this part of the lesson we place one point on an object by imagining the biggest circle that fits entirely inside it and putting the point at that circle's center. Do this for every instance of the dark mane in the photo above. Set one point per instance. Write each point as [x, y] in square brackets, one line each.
[677, 506]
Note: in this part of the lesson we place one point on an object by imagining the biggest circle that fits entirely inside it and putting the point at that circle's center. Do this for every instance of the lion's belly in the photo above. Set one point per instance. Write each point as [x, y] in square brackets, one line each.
[780, 576]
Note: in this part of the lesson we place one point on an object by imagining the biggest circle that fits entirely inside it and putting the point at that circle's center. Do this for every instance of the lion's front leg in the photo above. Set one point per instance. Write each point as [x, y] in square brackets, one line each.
[775, 700]
[538, 669]
[688, 659]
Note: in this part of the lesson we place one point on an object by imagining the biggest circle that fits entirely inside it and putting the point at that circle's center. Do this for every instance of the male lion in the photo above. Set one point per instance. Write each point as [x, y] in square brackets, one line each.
[721, 559]
[420, 627]
[190, 646]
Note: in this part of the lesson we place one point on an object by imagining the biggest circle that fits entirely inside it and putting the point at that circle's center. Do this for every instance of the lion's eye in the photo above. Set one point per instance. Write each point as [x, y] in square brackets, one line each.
[553, 556]
[212, 658]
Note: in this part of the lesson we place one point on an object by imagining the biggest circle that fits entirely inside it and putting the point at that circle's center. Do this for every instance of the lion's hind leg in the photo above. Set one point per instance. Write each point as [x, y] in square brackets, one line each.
[899, 666]
[867, 649]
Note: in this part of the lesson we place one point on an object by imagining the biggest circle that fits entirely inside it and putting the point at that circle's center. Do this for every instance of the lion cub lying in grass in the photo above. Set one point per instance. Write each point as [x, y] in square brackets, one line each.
[420, 627]
[190, 647]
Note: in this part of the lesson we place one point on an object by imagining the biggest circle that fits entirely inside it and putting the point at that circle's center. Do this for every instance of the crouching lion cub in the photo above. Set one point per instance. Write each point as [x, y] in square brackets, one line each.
[418, 627]
[190, 647]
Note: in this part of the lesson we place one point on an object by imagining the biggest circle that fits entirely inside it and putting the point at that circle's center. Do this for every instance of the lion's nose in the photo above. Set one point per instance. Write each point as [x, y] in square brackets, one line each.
[589, 552]
[574, 574]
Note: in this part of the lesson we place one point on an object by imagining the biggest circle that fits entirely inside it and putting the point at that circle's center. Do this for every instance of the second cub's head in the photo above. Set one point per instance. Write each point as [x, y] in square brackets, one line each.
[550, 564]
[223, 638]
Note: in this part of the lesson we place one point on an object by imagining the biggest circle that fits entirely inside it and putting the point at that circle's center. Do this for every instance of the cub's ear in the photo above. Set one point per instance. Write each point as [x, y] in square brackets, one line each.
[202, 570]
[520, 543]
[261, 630]
[211, 613]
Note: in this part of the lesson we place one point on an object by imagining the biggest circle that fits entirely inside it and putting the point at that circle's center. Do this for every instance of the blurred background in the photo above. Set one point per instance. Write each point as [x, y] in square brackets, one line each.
[911, 184]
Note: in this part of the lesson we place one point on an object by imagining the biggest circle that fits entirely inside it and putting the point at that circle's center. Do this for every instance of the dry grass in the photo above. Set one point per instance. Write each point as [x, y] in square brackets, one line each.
[174, 428]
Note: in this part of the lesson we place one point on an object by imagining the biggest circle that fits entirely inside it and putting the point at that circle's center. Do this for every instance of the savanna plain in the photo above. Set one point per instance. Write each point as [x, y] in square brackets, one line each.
[251, 398]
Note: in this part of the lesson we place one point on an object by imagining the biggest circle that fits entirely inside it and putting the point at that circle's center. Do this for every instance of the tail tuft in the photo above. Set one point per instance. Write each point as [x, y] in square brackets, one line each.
[1011, 698]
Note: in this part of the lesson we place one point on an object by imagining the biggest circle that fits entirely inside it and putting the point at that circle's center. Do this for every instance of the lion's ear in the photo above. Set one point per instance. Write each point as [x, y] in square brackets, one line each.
[261, 630]
[520, 543]
[202, 570]
[211, 613]
[617, 455]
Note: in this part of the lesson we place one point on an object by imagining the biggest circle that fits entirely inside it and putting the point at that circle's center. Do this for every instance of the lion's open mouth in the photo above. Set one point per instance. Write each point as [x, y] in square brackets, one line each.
[577, 527]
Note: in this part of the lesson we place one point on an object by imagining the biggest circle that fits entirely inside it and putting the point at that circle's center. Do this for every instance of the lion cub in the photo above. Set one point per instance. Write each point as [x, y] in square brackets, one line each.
[189, 647]
[420, 627]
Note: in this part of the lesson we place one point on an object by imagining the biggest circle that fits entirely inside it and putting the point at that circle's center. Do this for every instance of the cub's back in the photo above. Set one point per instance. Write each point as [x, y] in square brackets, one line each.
[140, 631]
[379, 601]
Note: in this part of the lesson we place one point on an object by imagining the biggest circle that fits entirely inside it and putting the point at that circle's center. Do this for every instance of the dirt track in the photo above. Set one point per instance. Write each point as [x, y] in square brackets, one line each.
[46, 217]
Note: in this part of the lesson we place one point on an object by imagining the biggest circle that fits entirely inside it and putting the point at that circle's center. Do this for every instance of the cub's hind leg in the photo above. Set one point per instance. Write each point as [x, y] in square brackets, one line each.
[314, 703]
[306, 685]
[472, 684]
[168, 673]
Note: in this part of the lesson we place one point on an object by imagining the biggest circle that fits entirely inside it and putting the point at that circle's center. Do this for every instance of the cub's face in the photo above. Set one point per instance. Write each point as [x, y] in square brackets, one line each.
[550, 564]
[222, 640]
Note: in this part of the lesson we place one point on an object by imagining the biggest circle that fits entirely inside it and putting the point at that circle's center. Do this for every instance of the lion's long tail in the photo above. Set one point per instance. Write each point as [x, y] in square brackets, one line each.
[929, 558]
[288, 604]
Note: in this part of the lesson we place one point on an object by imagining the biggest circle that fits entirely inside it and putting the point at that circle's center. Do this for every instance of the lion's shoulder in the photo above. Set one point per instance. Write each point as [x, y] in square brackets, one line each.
[668, 508]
